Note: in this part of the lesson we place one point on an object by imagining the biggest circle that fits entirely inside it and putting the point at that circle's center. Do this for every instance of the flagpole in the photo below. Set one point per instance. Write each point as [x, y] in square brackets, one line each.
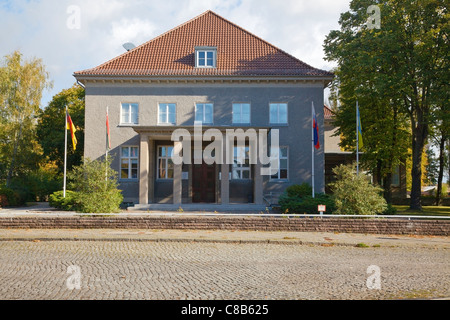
[357, 138]
[65, 154]
[106, 134]
[107, 144]
[312, 146]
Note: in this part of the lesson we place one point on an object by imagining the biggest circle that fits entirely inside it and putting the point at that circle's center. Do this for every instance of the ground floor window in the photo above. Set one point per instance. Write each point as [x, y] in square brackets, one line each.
[283, 164]
[129, 160]
[241, 169]
[165, 164]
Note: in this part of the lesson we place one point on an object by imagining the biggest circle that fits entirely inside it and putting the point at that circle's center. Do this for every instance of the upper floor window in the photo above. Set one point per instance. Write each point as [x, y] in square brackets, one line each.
[167, 113]
[205, 57]
[204, 113]
[129, 113]
[278, 113]
[241, 113]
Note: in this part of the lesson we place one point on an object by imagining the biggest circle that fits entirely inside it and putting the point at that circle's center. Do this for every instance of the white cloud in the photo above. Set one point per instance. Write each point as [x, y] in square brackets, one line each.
[39, 28]
[133, 30]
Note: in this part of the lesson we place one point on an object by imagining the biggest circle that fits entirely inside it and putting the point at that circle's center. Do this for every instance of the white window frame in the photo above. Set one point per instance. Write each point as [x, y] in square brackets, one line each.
[202, 105]
[167, 107]
[278, 177]
[278, 104]
[130, 113]
[129, 160]
[238, 169]
[166, 158]
[206, 51]
[241, 105]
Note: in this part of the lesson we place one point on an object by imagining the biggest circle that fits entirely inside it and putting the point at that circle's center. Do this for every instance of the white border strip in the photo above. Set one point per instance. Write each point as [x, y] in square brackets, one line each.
[157, 213]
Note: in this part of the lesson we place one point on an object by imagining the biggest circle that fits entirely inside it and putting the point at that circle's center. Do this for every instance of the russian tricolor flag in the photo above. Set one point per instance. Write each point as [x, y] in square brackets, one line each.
[315, 129]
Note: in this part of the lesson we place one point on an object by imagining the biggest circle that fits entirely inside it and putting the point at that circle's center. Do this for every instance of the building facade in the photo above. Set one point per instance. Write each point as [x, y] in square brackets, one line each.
[207, 72]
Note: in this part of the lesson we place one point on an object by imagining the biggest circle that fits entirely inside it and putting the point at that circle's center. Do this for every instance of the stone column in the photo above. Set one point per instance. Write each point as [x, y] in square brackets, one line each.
[151, 171]
[225, 177]
[258, 184]
[143, 169]
[177, 173]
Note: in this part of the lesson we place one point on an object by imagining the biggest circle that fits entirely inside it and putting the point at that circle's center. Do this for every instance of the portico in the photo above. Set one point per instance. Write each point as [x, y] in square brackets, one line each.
[194, 177]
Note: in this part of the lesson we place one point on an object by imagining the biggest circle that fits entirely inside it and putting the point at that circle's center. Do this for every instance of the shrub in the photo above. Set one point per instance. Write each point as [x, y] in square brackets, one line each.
[299, 190]
[22, 193]
[36, 185]
[354, 194]
[42, 183]
[96, 189]
[69, 203]
[9, 197]
[390, 210]
[298, 199]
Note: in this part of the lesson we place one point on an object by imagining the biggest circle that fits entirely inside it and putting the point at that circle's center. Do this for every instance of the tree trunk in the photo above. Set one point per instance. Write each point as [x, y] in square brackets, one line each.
[441, 169]
[448, 163]
[13, 159]
[378, 173]
[388, 188]
[420, 131]
[388, 179]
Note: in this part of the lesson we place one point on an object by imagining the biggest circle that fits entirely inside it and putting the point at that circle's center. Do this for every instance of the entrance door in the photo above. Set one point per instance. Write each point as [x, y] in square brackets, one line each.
[204, 183]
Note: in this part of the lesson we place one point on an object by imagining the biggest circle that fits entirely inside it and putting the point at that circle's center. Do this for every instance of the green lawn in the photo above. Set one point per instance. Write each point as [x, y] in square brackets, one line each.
[427, 210]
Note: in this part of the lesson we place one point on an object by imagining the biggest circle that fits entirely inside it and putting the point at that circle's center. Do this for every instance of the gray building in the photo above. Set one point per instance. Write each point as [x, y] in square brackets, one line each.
[209, 71]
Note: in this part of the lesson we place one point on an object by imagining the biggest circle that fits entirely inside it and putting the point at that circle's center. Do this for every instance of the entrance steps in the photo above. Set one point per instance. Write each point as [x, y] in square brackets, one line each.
[202, 207]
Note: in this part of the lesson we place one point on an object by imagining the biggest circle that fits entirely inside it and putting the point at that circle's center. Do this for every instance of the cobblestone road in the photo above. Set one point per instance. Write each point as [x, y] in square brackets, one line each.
[185, 270]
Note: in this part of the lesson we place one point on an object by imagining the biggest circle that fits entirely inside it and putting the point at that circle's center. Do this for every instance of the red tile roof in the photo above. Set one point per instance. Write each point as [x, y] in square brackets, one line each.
[238, 53]
[327, 113]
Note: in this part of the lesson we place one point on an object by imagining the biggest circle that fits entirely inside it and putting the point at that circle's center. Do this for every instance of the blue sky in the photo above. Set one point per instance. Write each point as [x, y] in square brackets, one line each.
[72, 35]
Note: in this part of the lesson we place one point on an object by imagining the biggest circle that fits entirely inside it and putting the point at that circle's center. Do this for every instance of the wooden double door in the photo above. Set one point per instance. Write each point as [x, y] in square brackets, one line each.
[204, 183]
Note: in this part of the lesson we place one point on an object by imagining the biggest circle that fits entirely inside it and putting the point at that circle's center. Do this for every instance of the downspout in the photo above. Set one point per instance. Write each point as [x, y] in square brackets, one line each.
[80, 84]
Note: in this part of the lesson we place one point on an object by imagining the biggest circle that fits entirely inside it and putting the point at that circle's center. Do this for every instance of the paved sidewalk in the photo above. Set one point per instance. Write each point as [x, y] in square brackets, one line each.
[299, 238]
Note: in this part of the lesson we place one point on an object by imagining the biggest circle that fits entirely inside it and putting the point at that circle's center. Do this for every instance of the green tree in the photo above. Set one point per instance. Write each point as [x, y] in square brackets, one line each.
[21, 86]
[407, 60]
[385, 127]
[51, 127]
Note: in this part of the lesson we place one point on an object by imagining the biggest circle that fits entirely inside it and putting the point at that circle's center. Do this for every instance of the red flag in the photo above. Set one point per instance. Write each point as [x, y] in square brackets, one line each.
[72, 129]
[316, 131]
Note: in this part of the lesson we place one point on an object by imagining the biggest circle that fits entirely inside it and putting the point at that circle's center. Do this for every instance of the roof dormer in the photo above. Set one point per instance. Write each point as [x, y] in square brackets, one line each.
[205, 57]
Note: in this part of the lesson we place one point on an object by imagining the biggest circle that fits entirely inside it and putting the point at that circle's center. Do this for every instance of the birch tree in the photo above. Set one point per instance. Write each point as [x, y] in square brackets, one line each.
[21, 86]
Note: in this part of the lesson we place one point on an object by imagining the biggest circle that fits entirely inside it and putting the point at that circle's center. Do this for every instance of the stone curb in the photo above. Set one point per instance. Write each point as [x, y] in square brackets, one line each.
[268, 241]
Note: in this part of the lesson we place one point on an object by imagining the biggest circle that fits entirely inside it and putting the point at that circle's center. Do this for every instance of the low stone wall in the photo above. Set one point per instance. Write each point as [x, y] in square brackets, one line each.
[341, 225]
